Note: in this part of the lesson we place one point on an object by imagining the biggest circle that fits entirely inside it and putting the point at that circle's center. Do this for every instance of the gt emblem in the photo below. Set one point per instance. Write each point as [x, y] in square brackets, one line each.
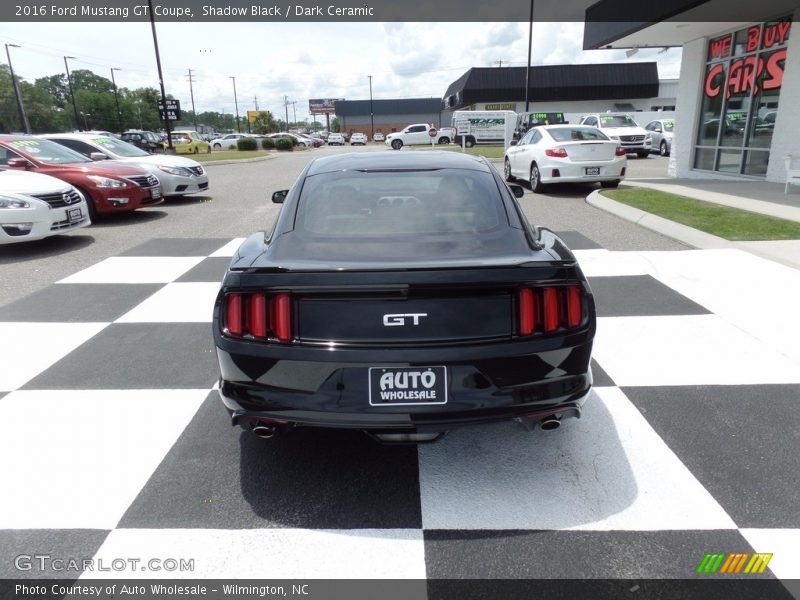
[399, 319]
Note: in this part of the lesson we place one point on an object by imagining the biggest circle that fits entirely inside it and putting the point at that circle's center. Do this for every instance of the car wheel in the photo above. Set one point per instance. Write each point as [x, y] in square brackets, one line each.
[536, 179]
[397, 144]
[90, 205]
[609, 184]
[507, 171]
[444, 140]
[662, 149]
[643, 153]
[469, 143]
[218, 146]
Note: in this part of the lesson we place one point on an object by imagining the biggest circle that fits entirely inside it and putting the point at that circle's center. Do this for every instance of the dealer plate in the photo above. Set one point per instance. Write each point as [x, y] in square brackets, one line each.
[404, 386]
[74, 214]
[155, 193]
[593, 170]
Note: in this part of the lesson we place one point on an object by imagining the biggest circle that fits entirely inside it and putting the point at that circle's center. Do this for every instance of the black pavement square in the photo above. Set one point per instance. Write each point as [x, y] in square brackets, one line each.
[639, 296]
[521, 554]
[210, 269]
[601, 378]
[218, 476]
[578, 241]
[740, 442]
[30, 553]
[177, 247]
[3, 394]
[79, 303]
[137, 356]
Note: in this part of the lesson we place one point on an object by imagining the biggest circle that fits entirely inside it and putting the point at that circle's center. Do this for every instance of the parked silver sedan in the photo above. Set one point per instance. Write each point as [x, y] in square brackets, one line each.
[660, 132]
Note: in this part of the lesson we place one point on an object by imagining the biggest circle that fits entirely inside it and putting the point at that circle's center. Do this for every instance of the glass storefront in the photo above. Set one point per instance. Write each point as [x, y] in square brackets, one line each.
[741, 93]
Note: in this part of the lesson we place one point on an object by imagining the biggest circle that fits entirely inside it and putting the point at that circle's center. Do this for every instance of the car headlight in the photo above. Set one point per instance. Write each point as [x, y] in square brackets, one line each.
[649, 137]
[13, 203]
[183, 171]
[614, 137]
[106, 182]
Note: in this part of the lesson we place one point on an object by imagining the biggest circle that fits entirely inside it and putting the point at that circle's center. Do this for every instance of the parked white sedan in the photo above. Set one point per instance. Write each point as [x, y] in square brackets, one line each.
[34, 206]
[178, 175]
[565, 154]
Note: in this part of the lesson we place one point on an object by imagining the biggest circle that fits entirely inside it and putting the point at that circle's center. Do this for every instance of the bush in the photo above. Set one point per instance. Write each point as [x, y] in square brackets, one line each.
[247, 143]
[267, 143]
[283, 144]
[232, 147]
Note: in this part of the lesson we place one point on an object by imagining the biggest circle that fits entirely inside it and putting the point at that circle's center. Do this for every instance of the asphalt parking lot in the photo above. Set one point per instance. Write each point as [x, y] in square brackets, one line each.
[688, 444]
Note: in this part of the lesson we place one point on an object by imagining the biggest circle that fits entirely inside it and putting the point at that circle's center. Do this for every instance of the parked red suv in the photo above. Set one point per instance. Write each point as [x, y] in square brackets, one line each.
[109, 186]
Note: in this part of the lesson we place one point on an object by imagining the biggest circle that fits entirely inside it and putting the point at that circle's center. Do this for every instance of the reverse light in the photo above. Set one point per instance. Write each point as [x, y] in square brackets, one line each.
[551, 308]
[258, 316]
[557, 152]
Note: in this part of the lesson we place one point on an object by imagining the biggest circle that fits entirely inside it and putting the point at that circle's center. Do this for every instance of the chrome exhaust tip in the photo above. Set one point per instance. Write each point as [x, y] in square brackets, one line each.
[264, 431]
[550, 423]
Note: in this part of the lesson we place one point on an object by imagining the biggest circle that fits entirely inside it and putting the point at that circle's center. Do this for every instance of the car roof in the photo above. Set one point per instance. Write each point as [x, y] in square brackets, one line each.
[393, 160]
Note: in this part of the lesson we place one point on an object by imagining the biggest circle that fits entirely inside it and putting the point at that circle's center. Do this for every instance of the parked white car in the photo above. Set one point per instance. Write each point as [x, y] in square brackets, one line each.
[565, 154]
[335, 139]
[622, 127]
[378, 137]
[661, 131]
[178, 175]
[34, 206]
[358, 139]
[227, 140]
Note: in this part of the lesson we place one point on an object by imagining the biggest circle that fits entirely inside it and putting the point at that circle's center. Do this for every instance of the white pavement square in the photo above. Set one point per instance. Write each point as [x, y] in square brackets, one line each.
[135, 269]
[783, 544]
[27, 349]
[93, 451]
[687, 350]
[608, 470]
[230, 248]
[271, 553]
[176, 303]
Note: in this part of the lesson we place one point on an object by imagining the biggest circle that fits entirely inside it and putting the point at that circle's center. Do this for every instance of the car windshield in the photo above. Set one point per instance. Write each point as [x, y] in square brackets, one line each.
[669, 125]
[576, 134]
[48, 152]
[617, 121]
[400, 203]
[118, 147]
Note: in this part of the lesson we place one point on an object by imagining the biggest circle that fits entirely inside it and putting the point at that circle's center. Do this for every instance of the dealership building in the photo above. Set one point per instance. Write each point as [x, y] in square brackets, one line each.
[737, 113]
[389, 115]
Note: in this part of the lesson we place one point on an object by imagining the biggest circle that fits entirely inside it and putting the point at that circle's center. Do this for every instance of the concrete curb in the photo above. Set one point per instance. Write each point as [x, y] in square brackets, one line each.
[235, 161]
[786, 253]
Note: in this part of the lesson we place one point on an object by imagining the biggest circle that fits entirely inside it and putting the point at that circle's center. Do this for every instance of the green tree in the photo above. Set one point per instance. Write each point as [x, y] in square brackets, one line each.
[335, 125]
[264, 123]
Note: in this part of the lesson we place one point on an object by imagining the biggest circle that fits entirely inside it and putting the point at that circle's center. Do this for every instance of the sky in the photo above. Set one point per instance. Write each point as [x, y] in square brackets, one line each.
[300, 61]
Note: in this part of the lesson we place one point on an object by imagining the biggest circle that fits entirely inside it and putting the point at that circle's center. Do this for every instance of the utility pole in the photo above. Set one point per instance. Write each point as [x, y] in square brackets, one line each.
[20, 107]
[499, 63]
[71, 93]
[170, 147]
[116, 98]
[294, 111]
[191, 93]
[528, 71]
[371, 113]
[236, 104]
[255, 101]
[286, 109]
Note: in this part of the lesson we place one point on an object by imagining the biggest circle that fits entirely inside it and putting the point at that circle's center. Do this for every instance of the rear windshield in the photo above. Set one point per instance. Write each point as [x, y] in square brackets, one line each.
[617, 121]
[576, 134]
[389, 203]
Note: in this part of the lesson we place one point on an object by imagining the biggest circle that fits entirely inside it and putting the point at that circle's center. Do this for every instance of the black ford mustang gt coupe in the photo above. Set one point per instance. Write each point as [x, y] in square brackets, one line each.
[403, 294]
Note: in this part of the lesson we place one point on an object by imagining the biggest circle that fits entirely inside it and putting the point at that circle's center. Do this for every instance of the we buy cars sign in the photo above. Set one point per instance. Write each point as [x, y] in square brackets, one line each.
[322, 106]
[169, 109]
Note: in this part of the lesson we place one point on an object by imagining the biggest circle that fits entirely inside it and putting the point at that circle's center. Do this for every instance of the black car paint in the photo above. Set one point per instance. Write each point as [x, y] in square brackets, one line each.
[322, 380]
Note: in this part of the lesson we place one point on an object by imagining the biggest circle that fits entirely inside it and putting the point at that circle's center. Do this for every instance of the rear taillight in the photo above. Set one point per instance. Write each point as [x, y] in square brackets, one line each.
[557, 152]
[620, 151]
[256, 315]
[549, 309]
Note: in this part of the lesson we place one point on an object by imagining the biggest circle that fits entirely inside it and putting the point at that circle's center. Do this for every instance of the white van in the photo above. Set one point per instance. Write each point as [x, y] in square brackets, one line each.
[484, 127]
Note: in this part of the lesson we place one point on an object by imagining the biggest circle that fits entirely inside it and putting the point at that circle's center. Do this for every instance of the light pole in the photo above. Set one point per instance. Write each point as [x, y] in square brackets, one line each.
[116, 98]
[191, 93]
[85, 122]
[371, 113]
[528, 71]
[236, 104]
[20, 107]
[170, 147]
[71, 93]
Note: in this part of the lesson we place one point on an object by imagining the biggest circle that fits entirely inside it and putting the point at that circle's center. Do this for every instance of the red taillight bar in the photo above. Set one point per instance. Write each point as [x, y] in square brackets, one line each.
[549, 308]
[557, 152]
[258, 315]
[620, 151]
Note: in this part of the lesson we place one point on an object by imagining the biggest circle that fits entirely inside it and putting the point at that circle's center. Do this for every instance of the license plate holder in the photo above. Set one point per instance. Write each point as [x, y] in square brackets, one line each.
[74, 214]
[155, 193]
[407, 386]
[592, 170]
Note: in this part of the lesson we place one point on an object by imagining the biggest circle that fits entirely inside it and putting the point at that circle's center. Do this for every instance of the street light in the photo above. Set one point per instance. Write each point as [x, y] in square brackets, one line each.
[20, 107]
[71, 93]
[371, 113]
[116, 98]
[236, 103]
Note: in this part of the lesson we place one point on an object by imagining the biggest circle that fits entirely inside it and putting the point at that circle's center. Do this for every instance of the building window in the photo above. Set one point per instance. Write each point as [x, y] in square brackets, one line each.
[741, 93]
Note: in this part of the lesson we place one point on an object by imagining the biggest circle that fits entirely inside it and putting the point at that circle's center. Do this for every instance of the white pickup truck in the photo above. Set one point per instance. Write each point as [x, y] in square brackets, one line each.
[417, 135]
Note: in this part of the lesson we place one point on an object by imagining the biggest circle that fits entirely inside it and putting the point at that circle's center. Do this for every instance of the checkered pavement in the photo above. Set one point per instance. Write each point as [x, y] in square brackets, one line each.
[113, 442]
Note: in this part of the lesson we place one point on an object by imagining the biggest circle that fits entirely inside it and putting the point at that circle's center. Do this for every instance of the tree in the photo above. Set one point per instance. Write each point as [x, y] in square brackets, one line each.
[335, 125]
[264, 123]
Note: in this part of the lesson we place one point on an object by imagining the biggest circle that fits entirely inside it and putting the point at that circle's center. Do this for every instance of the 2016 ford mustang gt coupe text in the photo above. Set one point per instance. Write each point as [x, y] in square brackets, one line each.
[403, 294]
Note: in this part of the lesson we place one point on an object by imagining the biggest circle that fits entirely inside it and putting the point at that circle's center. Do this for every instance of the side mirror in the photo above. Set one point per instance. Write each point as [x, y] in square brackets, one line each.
[279, 197]
[514, 142]
[517, 190]
[98, 156]
[18, 163]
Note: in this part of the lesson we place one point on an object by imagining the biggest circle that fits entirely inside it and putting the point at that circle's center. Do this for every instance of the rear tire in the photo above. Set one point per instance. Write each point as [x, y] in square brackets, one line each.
[507, 171]
[444, 140]
[469, 143]
[217, 146]
[662, 149]
[397, 144]
[536, 179]
[609, 184]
